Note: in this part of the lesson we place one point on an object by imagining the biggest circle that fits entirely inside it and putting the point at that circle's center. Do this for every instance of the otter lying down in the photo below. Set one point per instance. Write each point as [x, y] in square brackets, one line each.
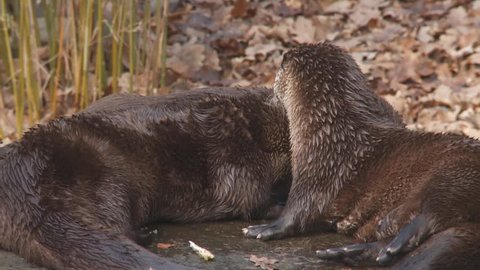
[74, 191]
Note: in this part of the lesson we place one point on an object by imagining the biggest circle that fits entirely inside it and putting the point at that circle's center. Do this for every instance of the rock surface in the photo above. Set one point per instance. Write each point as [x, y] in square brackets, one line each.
[226, 242]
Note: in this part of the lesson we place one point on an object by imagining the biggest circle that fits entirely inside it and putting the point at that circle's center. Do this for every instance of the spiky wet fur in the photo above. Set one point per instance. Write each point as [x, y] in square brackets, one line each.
[332, 113]
[73, 191]
[348, 162]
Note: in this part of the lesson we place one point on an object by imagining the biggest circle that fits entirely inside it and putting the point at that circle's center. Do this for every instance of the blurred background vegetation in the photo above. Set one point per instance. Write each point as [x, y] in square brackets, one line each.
[58, 56]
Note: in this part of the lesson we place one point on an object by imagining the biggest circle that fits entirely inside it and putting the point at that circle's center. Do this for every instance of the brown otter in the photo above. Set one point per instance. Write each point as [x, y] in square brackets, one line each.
[348, 162]
[71, 191]
[83, 184]
[331, 111]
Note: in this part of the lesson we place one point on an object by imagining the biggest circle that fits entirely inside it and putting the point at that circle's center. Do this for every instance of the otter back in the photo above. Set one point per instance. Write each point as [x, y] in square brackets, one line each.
[73, 190]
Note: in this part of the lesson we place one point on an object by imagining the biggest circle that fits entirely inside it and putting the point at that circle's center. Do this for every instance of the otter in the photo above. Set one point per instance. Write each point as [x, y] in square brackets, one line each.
[395, 188]
[73, 192]
[330, 109]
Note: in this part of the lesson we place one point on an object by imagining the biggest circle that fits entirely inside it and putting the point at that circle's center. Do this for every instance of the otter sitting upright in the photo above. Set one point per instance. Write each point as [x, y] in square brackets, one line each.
[382, 181]
[331, 112]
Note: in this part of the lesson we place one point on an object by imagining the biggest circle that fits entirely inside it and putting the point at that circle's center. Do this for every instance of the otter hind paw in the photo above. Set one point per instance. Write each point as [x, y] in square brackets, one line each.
[407, 239]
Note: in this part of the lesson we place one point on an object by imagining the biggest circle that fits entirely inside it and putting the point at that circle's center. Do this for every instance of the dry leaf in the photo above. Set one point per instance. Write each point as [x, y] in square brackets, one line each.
[442, 94]
[436, 114]
[296, 4]
[263, 262]
[475, 58]
[363, 15]
[304, 30]
[342, 6]
[457, 16]
[425, 68]
[239, 9]
[259, 50]
[186, 59]
[164, 245]
[364, 59]
[424, 34]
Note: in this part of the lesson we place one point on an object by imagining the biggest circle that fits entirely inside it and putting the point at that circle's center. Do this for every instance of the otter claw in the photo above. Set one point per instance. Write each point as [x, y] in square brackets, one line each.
[384, 258]
[330, 253]
[350, 250]
[273, 230]
[269, 232]
[354, 255]
[413, 232]
[254, 231]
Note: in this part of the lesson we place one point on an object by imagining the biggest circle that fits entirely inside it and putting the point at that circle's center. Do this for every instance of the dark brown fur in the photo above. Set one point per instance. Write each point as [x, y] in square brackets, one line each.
[84, 184]
[90, 181]
[383, 180]
[331, 112]
[71, 191]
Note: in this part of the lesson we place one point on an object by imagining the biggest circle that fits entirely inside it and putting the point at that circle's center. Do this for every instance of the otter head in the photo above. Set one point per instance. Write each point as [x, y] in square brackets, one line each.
[308, 68]
[324, 82]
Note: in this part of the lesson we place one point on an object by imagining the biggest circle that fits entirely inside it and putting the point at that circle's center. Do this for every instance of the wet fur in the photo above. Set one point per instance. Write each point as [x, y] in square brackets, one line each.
[380, 181]
[330, 125]
[74, 191]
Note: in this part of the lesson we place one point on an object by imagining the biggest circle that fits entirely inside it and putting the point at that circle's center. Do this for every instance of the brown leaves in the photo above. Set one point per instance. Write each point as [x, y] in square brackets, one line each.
[364, 16]
[342, 6]
[186, 59]
[424, 56]
[263, 262]
[259, 51]
[240, 9]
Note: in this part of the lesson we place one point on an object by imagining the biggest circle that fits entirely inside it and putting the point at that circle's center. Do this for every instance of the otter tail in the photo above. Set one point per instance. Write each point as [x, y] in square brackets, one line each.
[454, 248]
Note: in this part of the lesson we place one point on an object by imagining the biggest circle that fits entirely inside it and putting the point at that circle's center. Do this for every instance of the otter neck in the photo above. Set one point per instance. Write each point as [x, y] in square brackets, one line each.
[328, 146]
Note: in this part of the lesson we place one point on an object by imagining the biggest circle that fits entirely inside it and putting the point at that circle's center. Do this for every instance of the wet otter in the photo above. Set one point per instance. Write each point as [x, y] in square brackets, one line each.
[71, 191]
[89, 181]
[382, 181]
[331, 111]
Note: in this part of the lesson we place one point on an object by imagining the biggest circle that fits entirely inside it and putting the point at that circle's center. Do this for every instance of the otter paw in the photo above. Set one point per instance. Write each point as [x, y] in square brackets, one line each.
[275, 230]
[361, 254]
[409, 237]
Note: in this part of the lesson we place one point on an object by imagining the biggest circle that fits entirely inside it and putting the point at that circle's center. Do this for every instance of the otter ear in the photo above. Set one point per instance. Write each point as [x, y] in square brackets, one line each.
[286, 57]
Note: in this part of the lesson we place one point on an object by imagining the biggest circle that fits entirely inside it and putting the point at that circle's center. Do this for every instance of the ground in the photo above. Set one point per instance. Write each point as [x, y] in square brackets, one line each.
[231, 249]
[421, 56]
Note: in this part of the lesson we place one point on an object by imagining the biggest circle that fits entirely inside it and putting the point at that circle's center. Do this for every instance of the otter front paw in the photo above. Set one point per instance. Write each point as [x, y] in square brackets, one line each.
[361, 254]
[276, 230]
